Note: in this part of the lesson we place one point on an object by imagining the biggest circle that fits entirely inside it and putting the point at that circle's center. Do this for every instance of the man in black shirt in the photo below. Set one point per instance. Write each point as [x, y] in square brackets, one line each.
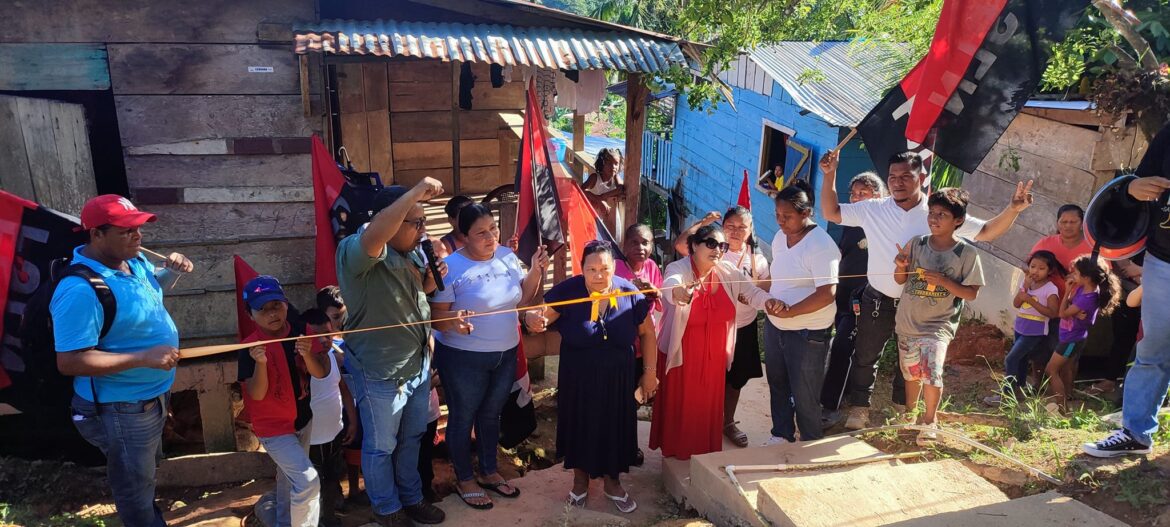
[854, 262]
[1148, 379]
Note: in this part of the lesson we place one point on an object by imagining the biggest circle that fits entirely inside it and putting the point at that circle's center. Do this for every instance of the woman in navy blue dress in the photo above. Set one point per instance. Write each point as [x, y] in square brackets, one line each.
[597, 427]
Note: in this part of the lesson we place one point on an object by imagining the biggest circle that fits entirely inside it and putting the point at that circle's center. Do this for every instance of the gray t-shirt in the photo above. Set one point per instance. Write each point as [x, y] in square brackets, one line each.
[926, 313]
[382, 291]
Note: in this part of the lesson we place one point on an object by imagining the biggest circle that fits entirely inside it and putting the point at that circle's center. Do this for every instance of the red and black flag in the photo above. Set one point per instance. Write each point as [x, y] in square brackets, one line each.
[984, 63]
[538, 213]
[584, 224]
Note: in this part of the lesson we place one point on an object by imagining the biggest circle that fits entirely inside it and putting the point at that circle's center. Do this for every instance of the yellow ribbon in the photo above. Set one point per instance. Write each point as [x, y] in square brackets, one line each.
[922, 276]
[595, 310]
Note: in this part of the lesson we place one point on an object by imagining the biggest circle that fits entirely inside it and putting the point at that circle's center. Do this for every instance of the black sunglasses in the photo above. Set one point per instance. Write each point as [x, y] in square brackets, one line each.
[713, 244]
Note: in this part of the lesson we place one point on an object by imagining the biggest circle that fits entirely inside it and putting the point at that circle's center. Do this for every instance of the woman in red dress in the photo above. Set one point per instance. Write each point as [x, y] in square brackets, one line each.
[697, 344]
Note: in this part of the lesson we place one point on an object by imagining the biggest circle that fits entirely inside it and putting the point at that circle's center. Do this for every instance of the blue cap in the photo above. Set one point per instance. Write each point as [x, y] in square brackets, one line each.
[262, 290]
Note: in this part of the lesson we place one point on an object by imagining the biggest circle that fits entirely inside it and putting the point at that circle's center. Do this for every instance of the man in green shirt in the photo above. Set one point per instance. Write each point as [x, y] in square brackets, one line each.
[384, 281]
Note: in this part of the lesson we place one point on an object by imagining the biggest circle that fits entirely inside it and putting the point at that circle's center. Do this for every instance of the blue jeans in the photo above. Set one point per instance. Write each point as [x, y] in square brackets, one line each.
[394, 418]
[298, 488]
[1016, 363]
[130, 435]
[476, 385]
[1148, 379]
[795, 363]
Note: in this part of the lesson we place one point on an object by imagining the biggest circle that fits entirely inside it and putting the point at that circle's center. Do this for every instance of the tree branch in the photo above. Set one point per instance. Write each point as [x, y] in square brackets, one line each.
[1119, 19]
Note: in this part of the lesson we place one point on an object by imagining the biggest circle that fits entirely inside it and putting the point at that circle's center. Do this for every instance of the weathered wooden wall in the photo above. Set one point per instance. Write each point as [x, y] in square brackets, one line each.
[44, 152]
[401, 118]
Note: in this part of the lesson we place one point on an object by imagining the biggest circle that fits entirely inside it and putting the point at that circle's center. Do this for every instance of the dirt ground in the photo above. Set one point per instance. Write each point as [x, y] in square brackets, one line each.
[1132, 490]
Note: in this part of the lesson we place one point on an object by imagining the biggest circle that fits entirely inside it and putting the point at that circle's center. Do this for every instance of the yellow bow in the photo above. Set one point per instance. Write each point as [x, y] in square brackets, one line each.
[594, 311]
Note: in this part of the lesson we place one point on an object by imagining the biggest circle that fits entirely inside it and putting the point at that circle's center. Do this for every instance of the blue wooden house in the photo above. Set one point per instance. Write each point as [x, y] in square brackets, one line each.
[793, 101]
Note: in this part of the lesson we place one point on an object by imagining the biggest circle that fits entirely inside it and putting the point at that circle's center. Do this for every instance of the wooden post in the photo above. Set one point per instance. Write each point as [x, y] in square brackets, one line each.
[455, 70]
[578, 142]
[636, 94]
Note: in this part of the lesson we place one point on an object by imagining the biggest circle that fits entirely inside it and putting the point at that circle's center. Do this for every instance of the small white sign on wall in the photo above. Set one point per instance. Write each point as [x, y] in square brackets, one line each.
[260, 69]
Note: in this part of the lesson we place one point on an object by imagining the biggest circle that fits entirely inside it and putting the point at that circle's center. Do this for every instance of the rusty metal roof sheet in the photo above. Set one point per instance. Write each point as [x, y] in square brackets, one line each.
[542, 47]
[834, 80]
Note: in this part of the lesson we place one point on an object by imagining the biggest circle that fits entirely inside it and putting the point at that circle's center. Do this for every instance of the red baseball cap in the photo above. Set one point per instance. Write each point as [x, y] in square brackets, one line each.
[112, 209]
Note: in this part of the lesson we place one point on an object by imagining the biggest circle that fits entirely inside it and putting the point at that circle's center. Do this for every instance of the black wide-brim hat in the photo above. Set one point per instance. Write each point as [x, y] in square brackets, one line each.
[1116, 224]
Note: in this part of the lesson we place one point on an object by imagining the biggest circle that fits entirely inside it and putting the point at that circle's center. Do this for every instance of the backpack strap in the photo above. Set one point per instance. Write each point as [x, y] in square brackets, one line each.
[104, 295]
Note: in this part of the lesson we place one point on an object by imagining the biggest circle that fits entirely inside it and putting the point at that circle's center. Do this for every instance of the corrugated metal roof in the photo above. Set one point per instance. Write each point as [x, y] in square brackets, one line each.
[543, 47]
[850, 82]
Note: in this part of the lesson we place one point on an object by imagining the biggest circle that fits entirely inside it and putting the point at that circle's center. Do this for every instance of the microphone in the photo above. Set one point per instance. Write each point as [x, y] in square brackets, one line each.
[428, 249]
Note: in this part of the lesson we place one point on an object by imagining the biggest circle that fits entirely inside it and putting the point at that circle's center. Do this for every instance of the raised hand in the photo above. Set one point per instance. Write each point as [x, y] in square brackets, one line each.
[179, 263]
[710, 218]
[829, 162]
[258, 354]
[539, 259]
[1023, 197]
[429, 188]
[902, 260]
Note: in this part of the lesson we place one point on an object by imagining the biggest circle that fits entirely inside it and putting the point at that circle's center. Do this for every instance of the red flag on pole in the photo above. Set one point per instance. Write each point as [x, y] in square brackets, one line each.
[745, 197]
[327, 185]
[584, 225]
[244, 272]
[538, 212]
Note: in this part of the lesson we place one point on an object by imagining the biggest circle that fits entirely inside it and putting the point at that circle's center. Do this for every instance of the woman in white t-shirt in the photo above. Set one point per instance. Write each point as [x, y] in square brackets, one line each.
[796, 343]
[476, 358]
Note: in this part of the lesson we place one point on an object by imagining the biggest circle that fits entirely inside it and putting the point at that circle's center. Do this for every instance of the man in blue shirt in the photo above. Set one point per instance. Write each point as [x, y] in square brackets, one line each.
[121, 379]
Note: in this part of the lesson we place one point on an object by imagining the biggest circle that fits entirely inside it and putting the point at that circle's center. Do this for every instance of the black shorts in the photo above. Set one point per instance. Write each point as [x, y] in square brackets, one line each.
[746, 364]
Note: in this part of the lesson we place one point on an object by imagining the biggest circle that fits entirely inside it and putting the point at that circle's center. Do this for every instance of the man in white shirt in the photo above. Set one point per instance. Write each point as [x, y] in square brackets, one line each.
[888, 222]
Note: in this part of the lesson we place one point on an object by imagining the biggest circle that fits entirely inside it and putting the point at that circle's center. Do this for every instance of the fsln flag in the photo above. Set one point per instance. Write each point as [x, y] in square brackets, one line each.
[745, 196]
[538, 212]
[327, 186]
[244, 272]
[518, 418]
[984, 63]
[583, 223]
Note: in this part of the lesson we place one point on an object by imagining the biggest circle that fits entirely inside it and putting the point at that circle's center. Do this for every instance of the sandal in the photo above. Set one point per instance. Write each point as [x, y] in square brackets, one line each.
[577, 500]
[623, 504]
[472, 495]
[732, 432]
[495, 487]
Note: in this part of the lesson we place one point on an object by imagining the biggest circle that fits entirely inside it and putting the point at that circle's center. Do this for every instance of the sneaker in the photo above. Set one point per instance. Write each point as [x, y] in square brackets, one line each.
[776, 441]
[425, 513]
[927, 438]
[858, 418]
[394, 519]
[993, 400]
[1119, 443]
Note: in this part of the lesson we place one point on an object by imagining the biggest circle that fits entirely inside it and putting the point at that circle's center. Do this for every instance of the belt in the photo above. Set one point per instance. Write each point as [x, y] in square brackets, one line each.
[1029, 316]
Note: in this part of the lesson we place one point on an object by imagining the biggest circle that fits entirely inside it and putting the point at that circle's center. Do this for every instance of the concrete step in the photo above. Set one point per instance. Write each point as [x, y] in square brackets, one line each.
[1050, 509]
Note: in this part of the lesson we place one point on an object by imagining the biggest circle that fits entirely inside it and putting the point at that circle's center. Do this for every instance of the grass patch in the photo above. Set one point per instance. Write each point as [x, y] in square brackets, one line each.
[20, 515]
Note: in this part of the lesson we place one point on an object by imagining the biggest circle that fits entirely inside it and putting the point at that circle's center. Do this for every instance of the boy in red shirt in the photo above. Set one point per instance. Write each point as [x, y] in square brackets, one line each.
[275, 382]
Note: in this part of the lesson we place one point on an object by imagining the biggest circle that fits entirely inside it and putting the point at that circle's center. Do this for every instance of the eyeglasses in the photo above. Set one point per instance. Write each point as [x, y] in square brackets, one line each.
[713, 244]
[417, 223]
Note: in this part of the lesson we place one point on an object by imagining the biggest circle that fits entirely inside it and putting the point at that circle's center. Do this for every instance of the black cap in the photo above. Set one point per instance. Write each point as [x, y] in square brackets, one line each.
[386, 197]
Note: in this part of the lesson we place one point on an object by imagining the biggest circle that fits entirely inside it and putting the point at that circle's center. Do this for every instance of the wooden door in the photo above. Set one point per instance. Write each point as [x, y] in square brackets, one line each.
[44, 152]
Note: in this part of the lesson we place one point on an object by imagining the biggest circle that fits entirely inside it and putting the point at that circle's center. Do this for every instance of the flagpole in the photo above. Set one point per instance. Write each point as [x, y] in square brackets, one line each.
[852, 132]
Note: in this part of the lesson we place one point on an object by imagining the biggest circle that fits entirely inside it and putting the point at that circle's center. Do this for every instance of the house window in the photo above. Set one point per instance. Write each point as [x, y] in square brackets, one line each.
[773, 153]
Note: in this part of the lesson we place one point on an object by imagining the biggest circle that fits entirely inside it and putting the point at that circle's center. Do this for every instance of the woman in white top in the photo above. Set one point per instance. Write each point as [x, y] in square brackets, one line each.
[477, 362]
[796, 341]
[604, 188]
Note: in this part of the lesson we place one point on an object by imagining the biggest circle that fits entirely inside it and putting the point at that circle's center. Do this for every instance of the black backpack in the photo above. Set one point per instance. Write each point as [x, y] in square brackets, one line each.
[43, 380]
[352, 209]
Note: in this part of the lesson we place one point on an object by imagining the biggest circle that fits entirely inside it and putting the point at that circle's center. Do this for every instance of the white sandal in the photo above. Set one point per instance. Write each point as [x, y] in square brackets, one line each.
[624, 504]
[576, 500]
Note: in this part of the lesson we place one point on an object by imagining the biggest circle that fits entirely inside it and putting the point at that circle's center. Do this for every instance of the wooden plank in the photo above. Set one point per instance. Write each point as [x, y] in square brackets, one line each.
[375, 86]
[486, 124]
[1054, 179]
[578, 142]
[483, 179]
[155, 119]
[410, 178]
[190, 69]
[201, 147]
[221, 21]
[1079, 117]
[41, 149]
[510, 96]
[1055, 140]
[456, 182]
[418, 70]
[421, 96]
[377, 98]
[230, 221]
[16, 176]
[215, 418]
[213, 313]
[412, 127]
[248, 195]
[290, 260]
[636, 95]
[218, 171]
[355, 135]
[1119, 150]
[75, 184]
[427, 154]
[479, 152]
[54, 67]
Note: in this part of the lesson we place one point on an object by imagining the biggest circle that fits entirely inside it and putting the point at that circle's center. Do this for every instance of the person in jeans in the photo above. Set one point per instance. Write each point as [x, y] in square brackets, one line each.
[384, 281]
[805, 263]
[477, 361]
[1146, 382]
[121, 379]
[888, 222]
[274, 378]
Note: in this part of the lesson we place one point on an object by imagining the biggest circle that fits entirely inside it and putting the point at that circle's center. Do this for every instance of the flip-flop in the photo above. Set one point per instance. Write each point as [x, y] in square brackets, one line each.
[471, 495]
[495, 487]
[624, 504]
[577, 500]
[737, 436]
